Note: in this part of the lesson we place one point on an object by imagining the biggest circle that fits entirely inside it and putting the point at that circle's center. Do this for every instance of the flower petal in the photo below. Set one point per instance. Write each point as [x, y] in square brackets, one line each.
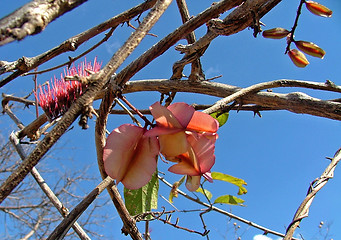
[143, 164]
[164, 117]
[183, 112]
[192, 183]
[172, 145]
[158, 131]
[119, 149]
[203, 149]
[203, 122]
[200, 156]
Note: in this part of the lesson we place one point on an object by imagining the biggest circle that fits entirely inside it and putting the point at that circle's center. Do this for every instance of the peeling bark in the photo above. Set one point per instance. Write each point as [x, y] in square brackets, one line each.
[32, 18]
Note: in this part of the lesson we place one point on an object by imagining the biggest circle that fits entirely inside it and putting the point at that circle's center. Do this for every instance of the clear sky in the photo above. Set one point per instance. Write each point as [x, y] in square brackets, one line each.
[278, 155]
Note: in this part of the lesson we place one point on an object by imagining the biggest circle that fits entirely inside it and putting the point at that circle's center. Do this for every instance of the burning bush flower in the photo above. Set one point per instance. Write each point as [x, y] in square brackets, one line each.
[56, 98]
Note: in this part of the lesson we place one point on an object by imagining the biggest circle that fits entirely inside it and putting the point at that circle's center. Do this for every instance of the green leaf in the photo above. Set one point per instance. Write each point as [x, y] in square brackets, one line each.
[221, 117]
[207, 193]
[229, 199]
[228, 178]
[174, 191]
[143, 199]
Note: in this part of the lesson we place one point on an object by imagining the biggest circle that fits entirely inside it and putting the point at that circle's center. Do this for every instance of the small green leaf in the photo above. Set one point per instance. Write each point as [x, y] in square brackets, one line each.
[221, 117]
[229, 199]
[143, 199]
[228, 178]
[207, 193]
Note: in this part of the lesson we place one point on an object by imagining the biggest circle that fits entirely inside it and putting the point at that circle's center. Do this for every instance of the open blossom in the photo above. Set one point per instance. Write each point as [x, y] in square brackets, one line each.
[197, 161]
[56, 98]
[173, 121]
[186, 137]
[130, 157]
[181, 134]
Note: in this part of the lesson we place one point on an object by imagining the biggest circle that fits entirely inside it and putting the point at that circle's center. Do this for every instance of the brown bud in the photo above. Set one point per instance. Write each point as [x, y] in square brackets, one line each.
[298, 58]
[318, 9]
[276, 33]
[310, 48]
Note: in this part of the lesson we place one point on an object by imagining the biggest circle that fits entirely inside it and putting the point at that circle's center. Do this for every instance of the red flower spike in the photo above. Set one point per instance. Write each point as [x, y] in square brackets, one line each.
[56, 98]
[129, 157]
[298, 58]
[276, 33]
[318, 9]
[310, 48]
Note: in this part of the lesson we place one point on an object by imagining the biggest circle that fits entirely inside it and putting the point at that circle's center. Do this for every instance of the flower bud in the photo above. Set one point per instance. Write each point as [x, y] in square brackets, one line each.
[318, 9]
[298, 58]
[310, 48]
[276, 33]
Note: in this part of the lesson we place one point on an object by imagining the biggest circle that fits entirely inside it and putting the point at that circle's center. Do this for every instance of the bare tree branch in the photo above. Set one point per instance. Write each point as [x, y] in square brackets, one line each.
[32, 18]
[315, 186]
[294, 102]
[47, 190]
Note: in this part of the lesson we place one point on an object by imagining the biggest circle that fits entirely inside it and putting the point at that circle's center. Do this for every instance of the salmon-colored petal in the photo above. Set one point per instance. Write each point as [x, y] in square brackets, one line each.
[192, 183]
[158, 131]
[203, 149]
[172, 145]
[184, 167]
[163, 116]
[183, 112]
[119, 149]
[143, 164]
[203, 122]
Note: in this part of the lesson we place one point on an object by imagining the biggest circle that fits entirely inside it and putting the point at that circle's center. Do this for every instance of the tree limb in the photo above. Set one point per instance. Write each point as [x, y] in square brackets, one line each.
[32, 18]
[294, 102]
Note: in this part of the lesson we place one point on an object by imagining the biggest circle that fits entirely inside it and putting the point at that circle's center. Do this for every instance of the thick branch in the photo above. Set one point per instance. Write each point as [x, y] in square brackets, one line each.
[172, 38]
[32, 18]
[294, 102]
[241, 18]
[25, 64]
[71, 218]
[96, 83]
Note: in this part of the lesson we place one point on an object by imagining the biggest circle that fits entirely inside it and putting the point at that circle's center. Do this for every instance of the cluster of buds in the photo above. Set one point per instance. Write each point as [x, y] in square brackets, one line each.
[56, 97]
[297, 56]
[182, 135]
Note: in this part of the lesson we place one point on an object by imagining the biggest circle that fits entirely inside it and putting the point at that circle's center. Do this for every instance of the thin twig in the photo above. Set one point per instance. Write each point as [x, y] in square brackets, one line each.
[61, 230]
[315, 186]
[248, 222]
[46, 189]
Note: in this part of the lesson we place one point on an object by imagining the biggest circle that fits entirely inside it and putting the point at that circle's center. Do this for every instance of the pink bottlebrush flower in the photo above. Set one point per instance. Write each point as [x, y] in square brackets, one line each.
[56, 98]
[130, 157]
[187, 137]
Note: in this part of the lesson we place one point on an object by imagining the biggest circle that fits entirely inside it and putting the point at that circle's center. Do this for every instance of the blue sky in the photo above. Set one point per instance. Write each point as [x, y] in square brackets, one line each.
[278, 155]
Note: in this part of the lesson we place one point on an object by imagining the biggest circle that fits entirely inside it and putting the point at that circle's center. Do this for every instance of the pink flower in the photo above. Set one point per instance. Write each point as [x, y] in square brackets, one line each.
[173, 122]
[187, 137]
[130, 157]
[56, 98]
[197, 161]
